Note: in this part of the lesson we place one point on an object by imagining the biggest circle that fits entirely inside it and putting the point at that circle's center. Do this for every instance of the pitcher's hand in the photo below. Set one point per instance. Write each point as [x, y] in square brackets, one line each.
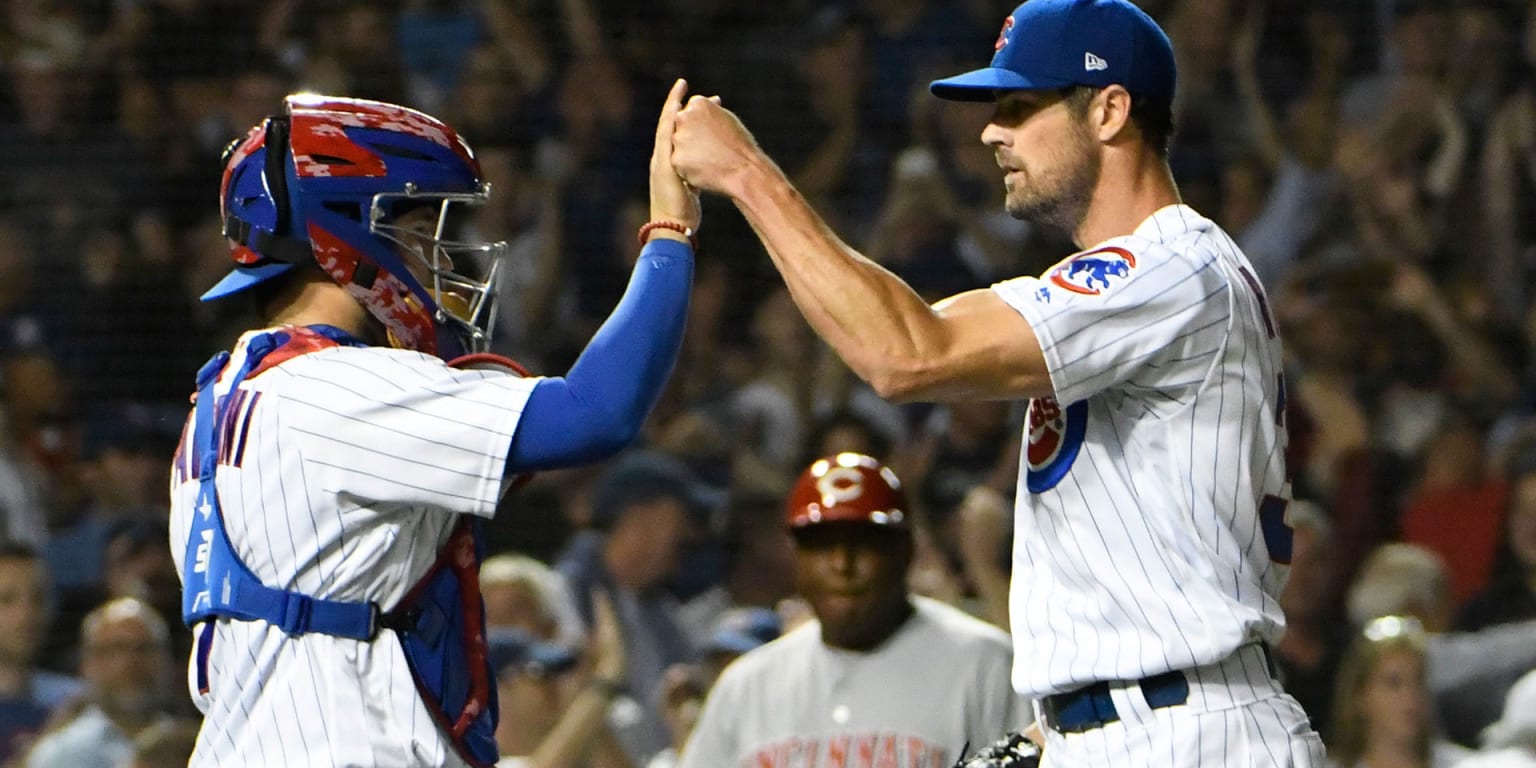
[711, 149]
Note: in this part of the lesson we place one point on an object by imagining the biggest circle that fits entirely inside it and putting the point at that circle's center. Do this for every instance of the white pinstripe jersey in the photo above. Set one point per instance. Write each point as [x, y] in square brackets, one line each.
[348, 471]
[1149, 532]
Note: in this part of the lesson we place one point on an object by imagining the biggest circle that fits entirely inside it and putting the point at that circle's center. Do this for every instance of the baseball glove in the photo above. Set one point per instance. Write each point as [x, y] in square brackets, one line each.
[1013, 751]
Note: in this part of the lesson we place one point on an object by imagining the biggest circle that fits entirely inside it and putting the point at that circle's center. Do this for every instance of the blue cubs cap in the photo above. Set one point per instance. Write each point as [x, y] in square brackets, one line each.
[513, 651]
[645, 475]
[743, 629]
[1063, 43]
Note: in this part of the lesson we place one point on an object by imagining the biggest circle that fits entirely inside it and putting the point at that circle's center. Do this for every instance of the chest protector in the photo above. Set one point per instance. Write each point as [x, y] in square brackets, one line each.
[440, 622]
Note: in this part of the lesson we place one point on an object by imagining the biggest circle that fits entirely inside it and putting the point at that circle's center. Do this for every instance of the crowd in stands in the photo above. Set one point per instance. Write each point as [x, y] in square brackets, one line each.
[1376, 160]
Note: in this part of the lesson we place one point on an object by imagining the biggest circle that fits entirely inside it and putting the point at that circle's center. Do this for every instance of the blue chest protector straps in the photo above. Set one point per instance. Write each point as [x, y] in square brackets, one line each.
[440, 623]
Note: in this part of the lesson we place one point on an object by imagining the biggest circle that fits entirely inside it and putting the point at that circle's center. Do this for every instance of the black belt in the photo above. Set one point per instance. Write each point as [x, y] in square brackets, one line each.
[1091, 706]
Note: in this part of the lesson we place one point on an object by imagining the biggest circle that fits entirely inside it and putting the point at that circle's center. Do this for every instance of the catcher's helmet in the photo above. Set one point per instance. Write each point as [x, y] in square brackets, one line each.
[326, 182]
[848, 487]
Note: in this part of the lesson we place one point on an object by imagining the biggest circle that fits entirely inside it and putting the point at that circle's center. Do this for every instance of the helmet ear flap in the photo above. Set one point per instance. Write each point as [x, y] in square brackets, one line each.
[257, 238]
[276, 174]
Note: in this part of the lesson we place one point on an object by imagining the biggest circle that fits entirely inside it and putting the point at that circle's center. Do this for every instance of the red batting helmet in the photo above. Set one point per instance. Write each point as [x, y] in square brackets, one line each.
[848, 487]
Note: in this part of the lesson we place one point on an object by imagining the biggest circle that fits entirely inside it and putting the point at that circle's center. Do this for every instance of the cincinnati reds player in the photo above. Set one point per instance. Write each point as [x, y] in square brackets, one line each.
[1150, 525]
[331, 476]
[880, 677]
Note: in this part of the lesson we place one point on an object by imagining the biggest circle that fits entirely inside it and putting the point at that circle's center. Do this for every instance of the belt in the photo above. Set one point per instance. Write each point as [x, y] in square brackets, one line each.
[1092, 706]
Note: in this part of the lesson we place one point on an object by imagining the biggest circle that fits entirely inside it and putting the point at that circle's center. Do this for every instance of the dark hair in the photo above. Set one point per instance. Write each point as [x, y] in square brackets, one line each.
[138, 536]
[1153, 117]
[879, 443]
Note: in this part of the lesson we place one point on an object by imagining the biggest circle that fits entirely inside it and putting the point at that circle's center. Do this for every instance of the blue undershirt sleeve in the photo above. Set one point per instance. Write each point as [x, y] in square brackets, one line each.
[598, 407]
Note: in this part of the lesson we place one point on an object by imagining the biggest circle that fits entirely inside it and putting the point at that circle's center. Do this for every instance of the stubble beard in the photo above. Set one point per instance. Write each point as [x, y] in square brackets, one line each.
[1060, 202]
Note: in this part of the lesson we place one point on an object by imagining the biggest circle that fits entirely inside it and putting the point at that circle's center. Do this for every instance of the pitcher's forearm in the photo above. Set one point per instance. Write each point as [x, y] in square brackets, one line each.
[880, 327]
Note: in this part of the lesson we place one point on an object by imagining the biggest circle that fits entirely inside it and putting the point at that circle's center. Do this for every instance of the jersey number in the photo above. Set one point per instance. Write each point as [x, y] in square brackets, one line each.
[1277, 532]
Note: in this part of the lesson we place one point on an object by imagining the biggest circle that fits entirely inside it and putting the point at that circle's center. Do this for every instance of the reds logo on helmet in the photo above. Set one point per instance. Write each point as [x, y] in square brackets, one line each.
[848, 487]
[1093, 272]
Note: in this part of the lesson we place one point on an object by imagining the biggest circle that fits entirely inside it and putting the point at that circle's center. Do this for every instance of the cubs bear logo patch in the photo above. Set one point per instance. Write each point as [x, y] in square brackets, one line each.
[1094, 272]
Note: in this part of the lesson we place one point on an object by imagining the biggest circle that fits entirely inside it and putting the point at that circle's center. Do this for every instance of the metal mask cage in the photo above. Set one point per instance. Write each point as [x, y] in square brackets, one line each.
[463, 302]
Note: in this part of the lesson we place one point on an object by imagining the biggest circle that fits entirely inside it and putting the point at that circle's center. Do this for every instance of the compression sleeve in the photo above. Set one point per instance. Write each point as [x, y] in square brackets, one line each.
[598, 407]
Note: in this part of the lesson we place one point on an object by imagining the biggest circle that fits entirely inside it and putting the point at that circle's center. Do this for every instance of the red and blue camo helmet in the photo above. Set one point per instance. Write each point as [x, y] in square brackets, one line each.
[326, 182]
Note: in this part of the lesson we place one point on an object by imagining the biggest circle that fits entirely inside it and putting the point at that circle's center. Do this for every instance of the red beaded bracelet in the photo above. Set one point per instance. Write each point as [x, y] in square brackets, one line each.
[687, 231]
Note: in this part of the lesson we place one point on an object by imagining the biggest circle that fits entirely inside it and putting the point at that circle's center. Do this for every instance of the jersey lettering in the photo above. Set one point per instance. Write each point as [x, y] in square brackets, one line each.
[1258, 294]
[200, 564]
[1278, 534]
[843, 750]
[1055, 435]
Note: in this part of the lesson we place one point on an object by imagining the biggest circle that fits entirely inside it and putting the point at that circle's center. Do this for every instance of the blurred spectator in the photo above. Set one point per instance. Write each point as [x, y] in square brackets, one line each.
[646, 507]
[759, 569]
[164, 744]
[1457, 509]
[28, 695]
[961, 446]
[846, 431]
[1315, 632]
[435, 37]
[123, 470]
[917, 228]
[771, 411]
[138, 564]
[521, 593]
[910, 39]
[1382, 712]
[534, 301]
[841, 683]
[826, 158]
[1292, 151]
[1510, 742]
[64, 170]
[985, 543]
[125, 662]
[1507, 192]
[350, 49]
[552, 704]
[736, 633]
[1413, 53]
[1467, 672]
[1511, 591]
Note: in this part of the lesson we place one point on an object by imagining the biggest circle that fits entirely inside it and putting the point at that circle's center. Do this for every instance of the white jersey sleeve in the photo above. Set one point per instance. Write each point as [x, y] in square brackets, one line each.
[1125, 307]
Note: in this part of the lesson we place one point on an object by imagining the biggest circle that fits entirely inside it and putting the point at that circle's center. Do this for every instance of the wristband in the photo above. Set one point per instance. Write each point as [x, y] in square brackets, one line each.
[687, 231]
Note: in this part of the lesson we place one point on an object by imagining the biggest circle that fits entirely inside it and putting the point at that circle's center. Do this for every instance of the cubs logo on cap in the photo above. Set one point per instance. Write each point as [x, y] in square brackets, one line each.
[1047, 44]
